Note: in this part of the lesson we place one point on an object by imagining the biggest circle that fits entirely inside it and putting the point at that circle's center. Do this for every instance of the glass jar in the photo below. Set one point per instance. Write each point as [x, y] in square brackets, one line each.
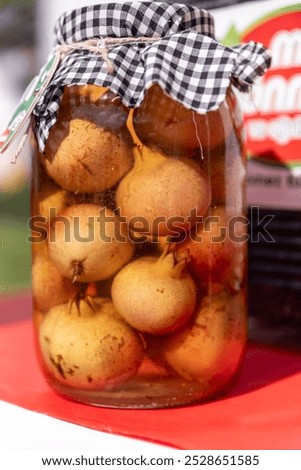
[139, 250]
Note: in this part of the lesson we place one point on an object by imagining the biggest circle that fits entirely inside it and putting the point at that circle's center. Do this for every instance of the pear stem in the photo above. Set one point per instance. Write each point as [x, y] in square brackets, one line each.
[78, 270]
[172, 263]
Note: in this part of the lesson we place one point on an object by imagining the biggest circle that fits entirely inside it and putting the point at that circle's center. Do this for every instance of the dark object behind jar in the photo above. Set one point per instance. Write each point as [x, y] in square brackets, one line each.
[275, 280]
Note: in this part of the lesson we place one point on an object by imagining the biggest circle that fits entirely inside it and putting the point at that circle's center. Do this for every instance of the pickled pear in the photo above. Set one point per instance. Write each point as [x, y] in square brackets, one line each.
[165, 123]
[87, 346]
[155, 295]
[216, 256]
[89, 243]
[210, 349]
[49, 287]
[89, 147]
[162, 195]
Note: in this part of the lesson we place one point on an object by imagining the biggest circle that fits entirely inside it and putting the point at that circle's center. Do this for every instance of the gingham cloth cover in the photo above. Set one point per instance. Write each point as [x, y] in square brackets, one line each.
[186, 61]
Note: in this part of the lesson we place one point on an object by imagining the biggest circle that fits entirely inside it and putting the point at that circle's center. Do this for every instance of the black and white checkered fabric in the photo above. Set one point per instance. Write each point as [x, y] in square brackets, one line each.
[186, 61]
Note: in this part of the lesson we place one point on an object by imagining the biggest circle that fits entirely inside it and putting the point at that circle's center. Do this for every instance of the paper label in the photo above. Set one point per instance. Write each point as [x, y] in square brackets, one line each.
[20, 120]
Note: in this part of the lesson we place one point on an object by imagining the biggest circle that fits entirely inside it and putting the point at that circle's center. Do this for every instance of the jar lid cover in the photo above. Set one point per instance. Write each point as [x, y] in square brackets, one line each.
[177, 51]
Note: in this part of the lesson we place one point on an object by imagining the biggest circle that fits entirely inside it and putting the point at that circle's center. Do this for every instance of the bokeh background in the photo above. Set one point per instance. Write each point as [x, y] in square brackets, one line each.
[26, 38]
[17, 66]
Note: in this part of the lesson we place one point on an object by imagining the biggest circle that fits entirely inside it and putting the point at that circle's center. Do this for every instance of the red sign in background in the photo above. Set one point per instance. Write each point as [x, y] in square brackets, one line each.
[271, 149]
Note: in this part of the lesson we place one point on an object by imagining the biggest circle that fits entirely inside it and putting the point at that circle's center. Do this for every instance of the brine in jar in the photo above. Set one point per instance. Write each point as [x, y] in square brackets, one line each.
[139, 263]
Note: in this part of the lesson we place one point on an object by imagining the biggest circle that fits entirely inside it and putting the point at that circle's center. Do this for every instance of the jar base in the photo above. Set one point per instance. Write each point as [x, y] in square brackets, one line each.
[164, 393]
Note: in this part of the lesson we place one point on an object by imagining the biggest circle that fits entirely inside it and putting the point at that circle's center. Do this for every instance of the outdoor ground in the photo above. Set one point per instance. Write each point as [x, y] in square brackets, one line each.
[14, 249]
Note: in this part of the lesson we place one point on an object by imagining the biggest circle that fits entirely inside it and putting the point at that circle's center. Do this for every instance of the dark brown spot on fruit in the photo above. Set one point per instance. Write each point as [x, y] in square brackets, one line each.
[57, 365]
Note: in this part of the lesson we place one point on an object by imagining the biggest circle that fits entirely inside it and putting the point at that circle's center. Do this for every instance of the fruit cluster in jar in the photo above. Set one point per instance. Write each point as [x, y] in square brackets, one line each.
[137, 279]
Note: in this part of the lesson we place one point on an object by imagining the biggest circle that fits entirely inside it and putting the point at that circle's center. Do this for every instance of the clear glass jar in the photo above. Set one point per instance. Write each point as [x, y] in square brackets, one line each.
[139, 250]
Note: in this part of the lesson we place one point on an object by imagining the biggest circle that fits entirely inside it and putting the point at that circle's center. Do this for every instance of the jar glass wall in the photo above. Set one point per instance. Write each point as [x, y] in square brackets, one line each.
[139, 250]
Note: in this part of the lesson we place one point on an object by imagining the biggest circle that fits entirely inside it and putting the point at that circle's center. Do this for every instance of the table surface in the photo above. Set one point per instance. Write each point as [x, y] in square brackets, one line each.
[262, 410]
[46, 433]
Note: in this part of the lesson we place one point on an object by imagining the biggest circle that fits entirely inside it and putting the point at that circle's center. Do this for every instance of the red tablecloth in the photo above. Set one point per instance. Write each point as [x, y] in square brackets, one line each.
[263, 410]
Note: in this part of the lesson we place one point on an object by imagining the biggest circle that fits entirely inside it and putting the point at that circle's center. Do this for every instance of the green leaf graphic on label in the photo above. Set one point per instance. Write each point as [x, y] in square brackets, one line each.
[28, 101]
[232, 36]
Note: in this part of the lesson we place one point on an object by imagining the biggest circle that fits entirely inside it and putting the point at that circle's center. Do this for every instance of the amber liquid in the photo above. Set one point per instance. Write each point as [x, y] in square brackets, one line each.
[198, 359]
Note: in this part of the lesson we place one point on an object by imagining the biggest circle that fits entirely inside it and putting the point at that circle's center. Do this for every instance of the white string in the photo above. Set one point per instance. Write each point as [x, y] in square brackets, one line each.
[20, 146]
[102, 46]
[197, 134]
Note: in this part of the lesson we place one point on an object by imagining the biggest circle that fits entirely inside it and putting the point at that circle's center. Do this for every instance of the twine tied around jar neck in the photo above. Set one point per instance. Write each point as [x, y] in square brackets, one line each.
[102, 46]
